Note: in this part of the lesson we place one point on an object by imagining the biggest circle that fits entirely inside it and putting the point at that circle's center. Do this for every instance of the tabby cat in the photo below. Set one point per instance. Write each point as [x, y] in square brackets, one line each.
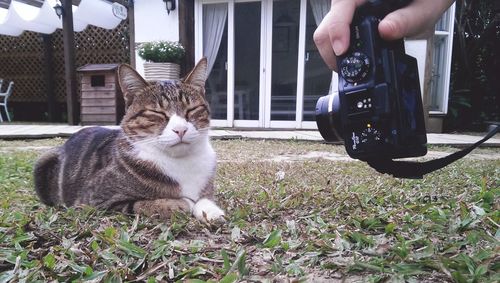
[160, 159]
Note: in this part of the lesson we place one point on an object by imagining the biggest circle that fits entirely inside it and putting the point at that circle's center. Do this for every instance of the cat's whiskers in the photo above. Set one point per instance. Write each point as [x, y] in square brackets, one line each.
[206, 129]
[146, 141]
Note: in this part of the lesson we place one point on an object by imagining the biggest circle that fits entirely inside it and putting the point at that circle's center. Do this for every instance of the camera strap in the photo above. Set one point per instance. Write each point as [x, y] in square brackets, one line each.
[417, 170]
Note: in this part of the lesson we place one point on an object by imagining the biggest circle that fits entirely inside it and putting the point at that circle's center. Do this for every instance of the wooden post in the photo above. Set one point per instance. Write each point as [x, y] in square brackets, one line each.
[186, 33]
[49, 77]
[131, 31]
[69, 63]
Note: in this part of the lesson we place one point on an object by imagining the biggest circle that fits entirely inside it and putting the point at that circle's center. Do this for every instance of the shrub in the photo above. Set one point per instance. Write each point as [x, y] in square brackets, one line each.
[161, 51]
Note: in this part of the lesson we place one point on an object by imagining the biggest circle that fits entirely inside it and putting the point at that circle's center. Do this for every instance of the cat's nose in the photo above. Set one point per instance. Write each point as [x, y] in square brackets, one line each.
[180, 131]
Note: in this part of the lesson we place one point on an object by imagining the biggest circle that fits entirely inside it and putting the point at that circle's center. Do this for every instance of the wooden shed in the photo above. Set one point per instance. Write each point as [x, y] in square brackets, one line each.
[102, 100]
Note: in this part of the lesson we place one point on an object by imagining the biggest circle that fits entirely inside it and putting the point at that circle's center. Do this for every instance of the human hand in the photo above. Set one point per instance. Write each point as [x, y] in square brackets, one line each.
[415, 20]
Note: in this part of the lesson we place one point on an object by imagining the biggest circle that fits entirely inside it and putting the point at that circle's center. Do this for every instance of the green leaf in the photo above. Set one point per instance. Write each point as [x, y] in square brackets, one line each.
[409, 269]
[110, 232]
[88, 271]
[192, 272]
[469, 262]
[94, 246]
[107, 255]
[369, 266]
[458, 277]
[227, 263]
[229, 278]
[23, 238]
[95, 276]
[389, 228]
[49, 261]
[83, 269]
[131, 249]
[488, 197]
[273, 239]
[7, 276]
[480, 271]
[483, 255]
[239, 263]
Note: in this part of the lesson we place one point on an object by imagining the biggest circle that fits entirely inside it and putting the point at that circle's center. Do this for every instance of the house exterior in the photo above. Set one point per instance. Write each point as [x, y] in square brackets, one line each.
[265, 71]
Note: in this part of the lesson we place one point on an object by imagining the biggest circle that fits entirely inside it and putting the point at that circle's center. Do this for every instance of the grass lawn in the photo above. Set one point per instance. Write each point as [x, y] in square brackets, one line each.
[291, 215]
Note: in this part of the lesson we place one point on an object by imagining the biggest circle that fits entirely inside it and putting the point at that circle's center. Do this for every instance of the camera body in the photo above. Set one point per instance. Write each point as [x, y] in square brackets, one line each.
[377, 110]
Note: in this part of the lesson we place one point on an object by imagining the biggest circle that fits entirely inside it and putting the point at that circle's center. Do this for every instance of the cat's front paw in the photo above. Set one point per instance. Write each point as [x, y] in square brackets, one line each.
[206, 210]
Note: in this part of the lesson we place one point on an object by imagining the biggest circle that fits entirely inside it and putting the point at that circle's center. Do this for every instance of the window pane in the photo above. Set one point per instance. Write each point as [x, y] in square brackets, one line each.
[317, 76]
[247, 60]
[285, 62]
[438, 72]
[215, 23]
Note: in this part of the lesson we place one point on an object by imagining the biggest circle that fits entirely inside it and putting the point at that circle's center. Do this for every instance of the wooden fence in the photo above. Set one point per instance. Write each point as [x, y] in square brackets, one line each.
[33, 60]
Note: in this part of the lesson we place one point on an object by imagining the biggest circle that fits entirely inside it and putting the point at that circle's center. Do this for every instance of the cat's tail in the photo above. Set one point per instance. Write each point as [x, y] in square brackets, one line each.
[46, 174]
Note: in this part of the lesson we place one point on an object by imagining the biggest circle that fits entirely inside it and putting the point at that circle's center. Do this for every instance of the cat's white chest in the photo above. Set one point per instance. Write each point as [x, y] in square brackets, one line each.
[191, 172]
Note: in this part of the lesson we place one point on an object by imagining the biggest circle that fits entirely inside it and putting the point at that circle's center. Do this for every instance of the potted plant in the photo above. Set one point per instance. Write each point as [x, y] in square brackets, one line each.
[162, 59]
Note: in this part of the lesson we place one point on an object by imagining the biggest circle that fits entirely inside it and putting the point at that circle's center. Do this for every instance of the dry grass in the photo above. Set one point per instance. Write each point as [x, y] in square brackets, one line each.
[290, 215]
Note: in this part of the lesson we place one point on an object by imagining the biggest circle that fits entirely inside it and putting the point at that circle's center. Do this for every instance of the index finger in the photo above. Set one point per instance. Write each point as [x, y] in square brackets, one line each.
[341, 14]
[332, 36]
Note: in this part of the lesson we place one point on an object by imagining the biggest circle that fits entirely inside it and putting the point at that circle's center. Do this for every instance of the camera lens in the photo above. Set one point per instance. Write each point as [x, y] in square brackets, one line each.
[328, 117]
[354, 67]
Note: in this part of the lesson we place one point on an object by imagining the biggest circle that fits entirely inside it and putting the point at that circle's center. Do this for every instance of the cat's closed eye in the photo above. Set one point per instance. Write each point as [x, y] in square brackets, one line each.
[196, 111]
[160, 113]
[149, 117]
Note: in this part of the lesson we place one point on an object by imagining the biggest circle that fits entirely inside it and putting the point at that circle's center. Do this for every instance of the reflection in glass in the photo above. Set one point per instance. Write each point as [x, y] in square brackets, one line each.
[317, 76]
[247, 60]
[438, 70]
[215, 35]
[285, 61]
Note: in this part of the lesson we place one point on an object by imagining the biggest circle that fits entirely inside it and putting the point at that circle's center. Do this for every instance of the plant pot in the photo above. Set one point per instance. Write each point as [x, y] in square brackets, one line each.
[161, 71]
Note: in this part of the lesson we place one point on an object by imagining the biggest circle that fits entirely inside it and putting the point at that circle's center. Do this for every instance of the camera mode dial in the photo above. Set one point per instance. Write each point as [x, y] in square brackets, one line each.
[355, 67]
[370, 135]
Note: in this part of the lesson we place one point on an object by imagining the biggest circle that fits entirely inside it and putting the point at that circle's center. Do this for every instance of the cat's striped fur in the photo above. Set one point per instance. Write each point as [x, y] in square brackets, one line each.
[158, 161]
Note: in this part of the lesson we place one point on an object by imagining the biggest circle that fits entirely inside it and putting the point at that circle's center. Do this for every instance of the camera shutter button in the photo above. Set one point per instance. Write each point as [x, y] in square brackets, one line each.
[354, 67]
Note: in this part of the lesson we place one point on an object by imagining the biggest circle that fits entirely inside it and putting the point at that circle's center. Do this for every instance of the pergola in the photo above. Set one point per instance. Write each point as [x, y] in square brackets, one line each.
[46, 16]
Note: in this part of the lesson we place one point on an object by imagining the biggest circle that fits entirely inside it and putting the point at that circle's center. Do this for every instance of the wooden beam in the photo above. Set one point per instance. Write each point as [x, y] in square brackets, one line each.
[186, 33]
[131, 32]
[69, 64]
[49, 76]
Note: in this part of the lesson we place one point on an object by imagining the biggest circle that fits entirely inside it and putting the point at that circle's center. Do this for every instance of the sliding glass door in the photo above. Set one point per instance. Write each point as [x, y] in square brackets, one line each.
[215, 48]
[247, 40]
[285, 45]
[265, 70]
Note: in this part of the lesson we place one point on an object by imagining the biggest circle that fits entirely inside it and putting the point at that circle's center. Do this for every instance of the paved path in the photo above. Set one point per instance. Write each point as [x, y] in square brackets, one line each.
[19, 131]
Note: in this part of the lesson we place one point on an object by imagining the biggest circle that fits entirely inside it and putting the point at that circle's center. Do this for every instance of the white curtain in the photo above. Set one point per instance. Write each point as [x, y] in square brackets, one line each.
[214, 21]
[320, 8]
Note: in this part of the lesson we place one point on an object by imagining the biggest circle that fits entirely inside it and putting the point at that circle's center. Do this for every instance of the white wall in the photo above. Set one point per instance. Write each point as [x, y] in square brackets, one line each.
[418, 48]
[153, 23]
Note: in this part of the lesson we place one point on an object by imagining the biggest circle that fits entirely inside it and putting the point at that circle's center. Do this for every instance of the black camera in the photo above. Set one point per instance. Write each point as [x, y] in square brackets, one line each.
[377, 110]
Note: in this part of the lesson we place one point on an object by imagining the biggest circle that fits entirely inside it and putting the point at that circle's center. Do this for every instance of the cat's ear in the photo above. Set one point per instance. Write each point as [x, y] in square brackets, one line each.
[198, 75]
[130, 83]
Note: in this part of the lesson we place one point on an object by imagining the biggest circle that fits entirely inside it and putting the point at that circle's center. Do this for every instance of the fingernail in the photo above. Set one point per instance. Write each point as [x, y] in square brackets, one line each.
[338, 48]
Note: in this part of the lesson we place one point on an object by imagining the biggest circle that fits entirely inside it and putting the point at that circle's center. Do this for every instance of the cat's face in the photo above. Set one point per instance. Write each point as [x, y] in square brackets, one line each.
[171, 116]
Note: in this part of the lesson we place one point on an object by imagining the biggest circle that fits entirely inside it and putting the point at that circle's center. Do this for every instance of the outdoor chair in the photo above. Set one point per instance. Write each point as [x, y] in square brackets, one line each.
[4, 96]
[1, 82]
